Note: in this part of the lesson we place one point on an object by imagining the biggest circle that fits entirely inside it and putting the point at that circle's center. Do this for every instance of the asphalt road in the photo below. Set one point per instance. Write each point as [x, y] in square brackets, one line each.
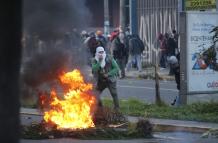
[144, 90]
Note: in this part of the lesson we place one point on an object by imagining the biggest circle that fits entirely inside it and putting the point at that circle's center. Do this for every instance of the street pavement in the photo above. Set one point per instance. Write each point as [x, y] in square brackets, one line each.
[143, 90]
[136, 86]
[141, 86]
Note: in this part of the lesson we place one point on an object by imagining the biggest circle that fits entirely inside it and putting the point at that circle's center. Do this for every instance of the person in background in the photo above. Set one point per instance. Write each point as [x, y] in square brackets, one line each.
[113, 35]
[176, 70]
[101, 39]
[105, 71]
[84, 36]
[120, 52]
[136, 48]
[163, 50]
[92, 43]
[175, 37]
[171, 47]
[85, 39]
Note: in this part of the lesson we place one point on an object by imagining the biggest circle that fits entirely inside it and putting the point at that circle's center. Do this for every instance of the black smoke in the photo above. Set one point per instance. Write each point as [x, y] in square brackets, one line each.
[45, 67]
[53, 21]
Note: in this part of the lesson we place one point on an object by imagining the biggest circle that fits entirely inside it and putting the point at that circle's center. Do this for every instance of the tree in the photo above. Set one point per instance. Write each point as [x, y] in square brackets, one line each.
[215, 37]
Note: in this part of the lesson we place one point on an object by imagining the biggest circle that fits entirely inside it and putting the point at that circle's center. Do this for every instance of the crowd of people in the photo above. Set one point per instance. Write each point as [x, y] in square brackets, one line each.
[113, 55]
[126, 49]
[110, 57]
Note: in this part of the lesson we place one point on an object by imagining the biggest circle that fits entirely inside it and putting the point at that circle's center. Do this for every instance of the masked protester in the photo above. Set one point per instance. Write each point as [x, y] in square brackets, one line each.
[105, 71]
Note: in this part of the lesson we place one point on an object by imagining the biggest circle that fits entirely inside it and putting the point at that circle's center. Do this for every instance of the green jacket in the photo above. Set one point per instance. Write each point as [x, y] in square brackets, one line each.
[111, 68]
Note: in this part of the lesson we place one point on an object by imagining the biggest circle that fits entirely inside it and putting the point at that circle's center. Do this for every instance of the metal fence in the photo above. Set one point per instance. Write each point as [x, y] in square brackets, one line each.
[154, 17]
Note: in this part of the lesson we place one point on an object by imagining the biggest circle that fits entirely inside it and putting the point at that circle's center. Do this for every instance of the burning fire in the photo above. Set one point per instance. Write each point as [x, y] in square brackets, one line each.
[75, 109]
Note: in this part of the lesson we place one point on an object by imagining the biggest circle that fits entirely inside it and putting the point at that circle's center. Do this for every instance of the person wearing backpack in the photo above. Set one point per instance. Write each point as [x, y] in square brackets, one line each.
[136, 48]
[175, 64]
[105, 71]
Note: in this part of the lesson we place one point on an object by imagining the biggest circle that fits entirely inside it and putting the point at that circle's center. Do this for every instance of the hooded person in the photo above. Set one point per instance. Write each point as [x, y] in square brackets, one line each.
[100, 56]
[176, 70]
[101, 39]
[105, 71]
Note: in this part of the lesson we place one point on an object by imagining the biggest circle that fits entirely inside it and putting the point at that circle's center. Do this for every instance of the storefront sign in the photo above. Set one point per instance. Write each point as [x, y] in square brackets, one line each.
[200, 4]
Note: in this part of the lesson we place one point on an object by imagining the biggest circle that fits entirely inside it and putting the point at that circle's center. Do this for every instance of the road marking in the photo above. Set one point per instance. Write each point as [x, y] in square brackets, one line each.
[142, 87]
[148, 81]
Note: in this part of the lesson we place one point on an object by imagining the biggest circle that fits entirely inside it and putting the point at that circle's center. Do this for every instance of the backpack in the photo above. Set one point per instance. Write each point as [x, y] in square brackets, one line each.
[141, 44]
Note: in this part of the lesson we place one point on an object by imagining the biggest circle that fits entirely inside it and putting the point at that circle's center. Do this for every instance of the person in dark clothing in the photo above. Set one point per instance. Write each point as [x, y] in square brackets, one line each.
[120, 52]
[163, 50]
[176, 70]
[171, 47]
[176, 37]
[92, 44]
[136, 47]
[101, 39]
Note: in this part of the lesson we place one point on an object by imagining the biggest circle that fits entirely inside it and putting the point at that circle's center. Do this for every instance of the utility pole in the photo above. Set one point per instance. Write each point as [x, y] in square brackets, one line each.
[157, 82]
[180, 8]
[133, 16]
[122, 15]
[106, 18]
[183, 5]
[183, 56]
[216, 5]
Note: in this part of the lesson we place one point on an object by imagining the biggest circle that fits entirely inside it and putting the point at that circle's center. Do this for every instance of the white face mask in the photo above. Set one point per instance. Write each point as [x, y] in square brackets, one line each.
[98, 56]
[121, 36]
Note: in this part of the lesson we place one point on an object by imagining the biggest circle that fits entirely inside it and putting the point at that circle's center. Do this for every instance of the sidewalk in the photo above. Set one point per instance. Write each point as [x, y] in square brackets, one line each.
[178, 125]
[163, 124]
[149, 73]
[146, 73]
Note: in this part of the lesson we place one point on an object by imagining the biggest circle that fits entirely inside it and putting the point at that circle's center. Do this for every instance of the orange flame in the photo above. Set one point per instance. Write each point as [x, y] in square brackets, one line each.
[75, 110]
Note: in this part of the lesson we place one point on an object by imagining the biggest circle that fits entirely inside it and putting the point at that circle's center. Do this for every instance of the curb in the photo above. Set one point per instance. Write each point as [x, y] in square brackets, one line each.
[178, 125]
[158, 124]
[149, 76]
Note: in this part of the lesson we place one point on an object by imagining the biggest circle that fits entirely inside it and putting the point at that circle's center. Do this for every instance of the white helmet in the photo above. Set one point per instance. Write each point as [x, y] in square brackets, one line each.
[173, 60]
[83, 32]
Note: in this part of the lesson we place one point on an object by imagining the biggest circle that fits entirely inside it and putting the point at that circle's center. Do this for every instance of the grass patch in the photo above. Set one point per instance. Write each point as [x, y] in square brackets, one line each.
[205, 112]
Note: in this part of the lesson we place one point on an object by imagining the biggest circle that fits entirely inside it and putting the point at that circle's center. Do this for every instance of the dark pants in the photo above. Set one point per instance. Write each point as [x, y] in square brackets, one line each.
[112, 86]
[122, 64]
[163, 59]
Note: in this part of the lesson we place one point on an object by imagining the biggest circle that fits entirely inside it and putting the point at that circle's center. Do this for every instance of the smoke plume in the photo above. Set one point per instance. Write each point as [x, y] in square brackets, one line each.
[54, 23]
[50, 19]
